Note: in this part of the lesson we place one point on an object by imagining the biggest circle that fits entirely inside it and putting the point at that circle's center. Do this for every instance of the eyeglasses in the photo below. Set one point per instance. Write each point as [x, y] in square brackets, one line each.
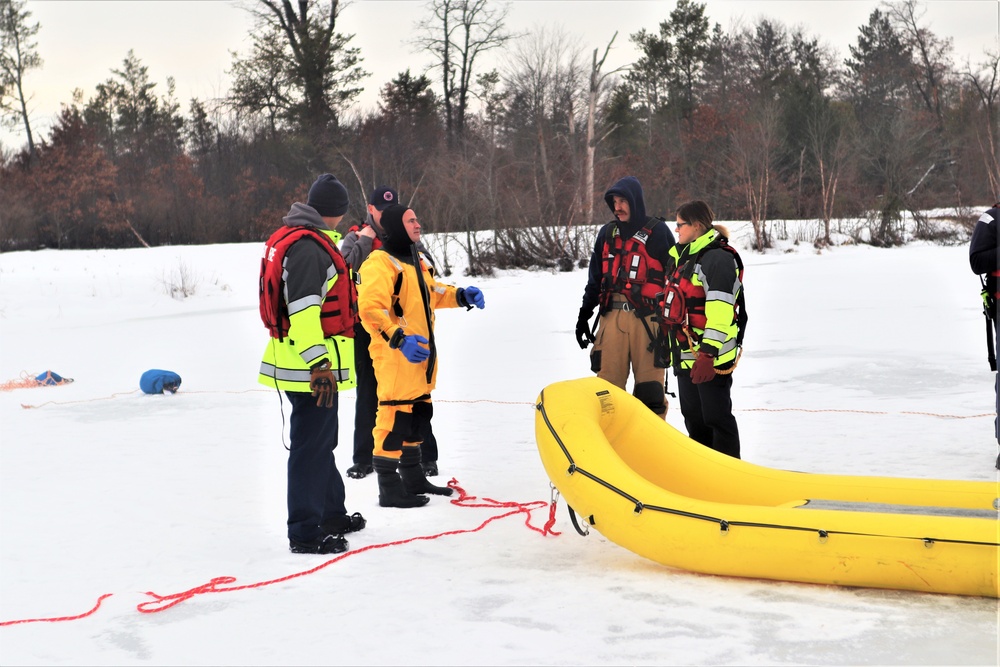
[682, 224]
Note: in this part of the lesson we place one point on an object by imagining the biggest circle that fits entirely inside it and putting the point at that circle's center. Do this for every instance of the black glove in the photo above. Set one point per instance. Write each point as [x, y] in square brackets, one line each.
[322, 384]
[583, 334]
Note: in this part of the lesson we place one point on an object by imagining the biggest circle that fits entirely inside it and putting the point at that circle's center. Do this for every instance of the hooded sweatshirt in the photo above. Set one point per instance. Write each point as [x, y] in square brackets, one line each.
[661, 239]
[306, 262]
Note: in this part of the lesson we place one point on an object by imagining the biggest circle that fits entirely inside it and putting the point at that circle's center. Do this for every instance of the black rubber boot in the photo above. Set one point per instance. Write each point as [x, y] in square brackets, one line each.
[391, 492]
[414, 479]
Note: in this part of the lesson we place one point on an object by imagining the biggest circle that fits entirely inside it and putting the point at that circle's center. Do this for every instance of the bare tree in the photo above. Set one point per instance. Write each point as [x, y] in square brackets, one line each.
[18, 55]
[986, 84]
[456, 34]
[754, 142]
[545, 73]
[830, 145]
[929, 75]
[598, 81]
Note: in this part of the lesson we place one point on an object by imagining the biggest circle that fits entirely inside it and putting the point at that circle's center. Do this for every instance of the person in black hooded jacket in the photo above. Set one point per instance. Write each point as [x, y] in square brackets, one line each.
[984, 260]
[625, 280]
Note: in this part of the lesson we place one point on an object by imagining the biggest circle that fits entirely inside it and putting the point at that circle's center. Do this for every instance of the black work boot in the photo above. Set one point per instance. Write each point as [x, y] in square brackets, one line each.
[342, 523]
[414, 479]
[360, 470]
[324, 544]
[391, 492]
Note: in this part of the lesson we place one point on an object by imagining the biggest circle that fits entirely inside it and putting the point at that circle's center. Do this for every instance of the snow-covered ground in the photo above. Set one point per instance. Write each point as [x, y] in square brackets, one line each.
[105, 490]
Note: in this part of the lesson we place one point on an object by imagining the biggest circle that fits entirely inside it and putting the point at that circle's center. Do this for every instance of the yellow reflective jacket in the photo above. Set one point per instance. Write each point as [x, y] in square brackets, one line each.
[710, 280]
[384, 309]
[310, 274]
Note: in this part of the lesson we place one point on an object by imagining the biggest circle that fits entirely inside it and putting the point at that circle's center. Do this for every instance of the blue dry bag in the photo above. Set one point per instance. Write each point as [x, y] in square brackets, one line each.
[155, 381]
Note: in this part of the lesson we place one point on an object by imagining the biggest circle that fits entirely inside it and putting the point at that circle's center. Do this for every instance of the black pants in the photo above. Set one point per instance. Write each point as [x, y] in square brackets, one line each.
[315, 487]
[367, 404]
[996, 382]
[708, 412]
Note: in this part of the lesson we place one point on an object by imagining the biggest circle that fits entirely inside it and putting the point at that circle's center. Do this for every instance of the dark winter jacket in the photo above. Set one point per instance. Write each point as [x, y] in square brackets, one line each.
[658, 246]
[983, 249]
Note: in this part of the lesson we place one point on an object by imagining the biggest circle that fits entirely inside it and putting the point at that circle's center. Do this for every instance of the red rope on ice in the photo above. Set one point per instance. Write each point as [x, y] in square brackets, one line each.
[223, 584]
[218, 584]
[60, 618]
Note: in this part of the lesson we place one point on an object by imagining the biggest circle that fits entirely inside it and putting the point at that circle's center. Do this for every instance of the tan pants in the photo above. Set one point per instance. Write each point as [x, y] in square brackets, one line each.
[623, 344]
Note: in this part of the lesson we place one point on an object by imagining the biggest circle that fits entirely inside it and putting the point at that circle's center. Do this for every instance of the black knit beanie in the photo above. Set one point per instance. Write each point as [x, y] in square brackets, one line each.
[328, 196]
[396, 241]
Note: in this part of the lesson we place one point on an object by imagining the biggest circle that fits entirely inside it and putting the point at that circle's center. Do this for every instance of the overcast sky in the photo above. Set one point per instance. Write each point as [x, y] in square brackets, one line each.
[81, 41]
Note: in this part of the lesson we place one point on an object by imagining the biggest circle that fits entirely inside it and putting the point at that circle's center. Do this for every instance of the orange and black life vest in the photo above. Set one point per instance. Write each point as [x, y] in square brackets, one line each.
[339, 310]
[630, 270]
[684, 302]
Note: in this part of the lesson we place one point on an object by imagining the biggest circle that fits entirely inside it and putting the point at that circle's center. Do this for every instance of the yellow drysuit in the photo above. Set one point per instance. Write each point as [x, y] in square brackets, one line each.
[387, 304]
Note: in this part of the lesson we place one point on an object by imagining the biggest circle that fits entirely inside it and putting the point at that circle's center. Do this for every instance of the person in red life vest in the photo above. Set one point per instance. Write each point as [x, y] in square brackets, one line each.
[358, 243]
[625, 278]
[397, 297]
[983, 260]
[701, 322]
[309, 305]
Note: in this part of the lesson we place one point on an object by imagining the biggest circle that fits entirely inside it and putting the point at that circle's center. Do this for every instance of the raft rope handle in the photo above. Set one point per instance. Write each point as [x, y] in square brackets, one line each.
[572, 517]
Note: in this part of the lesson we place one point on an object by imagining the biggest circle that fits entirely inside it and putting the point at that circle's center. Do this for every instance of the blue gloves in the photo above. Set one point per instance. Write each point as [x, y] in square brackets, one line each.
[413, 350]
[471, 296]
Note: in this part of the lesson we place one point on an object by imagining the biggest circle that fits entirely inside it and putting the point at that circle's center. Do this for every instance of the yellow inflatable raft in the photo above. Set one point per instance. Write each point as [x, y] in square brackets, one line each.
[654, 491]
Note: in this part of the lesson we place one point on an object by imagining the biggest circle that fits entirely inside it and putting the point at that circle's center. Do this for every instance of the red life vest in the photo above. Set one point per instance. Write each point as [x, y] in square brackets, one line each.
[684, 302]
[376, 242]
[339, 310]
[629, 270]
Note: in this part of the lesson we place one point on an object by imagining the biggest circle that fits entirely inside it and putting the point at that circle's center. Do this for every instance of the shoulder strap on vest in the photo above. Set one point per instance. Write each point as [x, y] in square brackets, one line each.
[722, 243]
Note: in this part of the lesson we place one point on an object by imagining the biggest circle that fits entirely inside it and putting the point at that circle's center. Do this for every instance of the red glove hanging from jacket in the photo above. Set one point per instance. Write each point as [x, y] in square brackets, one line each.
[703, 369]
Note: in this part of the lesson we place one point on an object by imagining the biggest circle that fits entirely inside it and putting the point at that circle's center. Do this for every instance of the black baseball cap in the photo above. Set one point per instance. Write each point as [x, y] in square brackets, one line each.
[383, 197]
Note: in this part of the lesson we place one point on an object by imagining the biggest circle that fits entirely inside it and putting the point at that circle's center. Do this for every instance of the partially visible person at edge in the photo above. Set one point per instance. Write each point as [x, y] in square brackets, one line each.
[627, 272]
[397, 297]
[309, 357]
[983, 260]
[703, 285]
[356, 246]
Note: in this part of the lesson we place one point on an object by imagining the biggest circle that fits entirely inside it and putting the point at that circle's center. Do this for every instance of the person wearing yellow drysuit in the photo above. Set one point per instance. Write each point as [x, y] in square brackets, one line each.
[397, 297]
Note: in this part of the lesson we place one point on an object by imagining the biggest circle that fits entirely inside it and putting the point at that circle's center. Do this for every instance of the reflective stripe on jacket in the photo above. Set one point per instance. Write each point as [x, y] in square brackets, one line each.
[315, 288]
[710, 280]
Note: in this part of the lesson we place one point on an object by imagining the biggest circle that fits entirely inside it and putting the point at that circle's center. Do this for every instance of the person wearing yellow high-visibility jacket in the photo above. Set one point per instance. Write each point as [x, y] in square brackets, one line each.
[309, 306]
[701, 318]
[397, 296]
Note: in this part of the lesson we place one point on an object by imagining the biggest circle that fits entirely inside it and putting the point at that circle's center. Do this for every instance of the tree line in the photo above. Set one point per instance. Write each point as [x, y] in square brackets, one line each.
[760, 120]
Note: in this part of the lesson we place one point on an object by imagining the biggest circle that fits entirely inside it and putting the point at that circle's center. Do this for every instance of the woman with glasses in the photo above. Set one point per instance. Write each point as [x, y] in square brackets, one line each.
[702, 320]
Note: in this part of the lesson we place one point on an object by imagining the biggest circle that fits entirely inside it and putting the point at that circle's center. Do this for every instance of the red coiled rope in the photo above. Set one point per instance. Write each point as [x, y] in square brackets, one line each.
[222, 584]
